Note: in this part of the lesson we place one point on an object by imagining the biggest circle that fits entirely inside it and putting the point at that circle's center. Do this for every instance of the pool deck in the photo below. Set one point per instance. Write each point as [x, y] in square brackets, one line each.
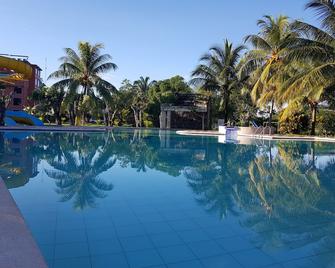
[17, 246]
[262, 137]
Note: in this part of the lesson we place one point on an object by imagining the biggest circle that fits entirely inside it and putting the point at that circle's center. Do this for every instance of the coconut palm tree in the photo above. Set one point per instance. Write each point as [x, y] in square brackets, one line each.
[143, 84]
[315, 51]
[81, 72]
[140, 99]
[265, 62]
[217, 72]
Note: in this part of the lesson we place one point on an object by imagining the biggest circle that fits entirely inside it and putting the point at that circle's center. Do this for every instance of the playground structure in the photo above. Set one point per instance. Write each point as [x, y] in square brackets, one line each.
[13, 71]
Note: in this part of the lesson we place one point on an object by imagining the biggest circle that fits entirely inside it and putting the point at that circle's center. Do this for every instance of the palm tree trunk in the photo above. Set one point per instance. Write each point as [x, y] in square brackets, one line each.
[226, 104]
[112, 117]
[271, 112]
[136, 116]
[314, 106]
[72, 115]
[209, 118]
[140, 118]
[83, 119]
[77, 111]
[58, 118]
[85, 90]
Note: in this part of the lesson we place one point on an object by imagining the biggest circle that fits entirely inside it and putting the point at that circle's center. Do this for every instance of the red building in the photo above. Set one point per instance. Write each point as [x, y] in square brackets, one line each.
[20, 91]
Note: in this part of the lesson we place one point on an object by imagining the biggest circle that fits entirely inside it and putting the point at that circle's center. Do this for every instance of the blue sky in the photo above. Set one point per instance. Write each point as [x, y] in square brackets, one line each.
[152, 38]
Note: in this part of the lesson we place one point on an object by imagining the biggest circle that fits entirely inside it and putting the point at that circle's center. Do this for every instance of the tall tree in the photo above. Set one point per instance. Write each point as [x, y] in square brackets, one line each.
[81, 72]
[265, 61]
[315, 51]
[217, 72]
[140, 100]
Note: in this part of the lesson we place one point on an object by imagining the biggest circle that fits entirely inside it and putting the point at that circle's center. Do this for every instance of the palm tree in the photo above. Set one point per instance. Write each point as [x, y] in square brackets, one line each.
[81, 72]
[217, 72]
[264, 62]
[315, 51]
[140, 101]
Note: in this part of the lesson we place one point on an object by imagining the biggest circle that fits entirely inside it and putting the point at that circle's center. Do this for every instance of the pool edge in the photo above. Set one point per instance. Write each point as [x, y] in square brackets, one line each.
[259, 137]
[17, 246]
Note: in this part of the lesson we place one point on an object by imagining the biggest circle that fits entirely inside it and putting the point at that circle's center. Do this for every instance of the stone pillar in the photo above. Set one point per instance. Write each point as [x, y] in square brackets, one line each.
[168, 120]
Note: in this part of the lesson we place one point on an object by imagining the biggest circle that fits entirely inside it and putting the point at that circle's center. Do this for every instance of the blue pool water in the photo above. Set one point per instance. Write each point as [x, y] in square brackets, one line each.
[156, 199]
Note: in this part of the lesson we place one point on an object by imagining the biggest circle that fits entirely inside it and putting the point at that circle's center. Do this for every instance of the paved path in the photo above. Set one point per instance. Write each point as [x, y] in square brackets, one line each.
[17, 246]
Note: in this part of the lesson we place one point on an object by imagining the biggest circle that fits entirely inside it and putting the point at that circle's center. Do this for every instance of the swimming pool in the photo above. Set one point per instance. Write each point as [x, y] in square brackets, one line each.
[131, 198]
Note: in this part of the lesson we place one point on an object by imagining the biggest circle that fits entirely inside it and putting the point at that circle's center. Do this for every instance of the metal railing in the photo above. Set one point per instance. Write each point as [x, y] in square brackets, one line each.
[260, 131]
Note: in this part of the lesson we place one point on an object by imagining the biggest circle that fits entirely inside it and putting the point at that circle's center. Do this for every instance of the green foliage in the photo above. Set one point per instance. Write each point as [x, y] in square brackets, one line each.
[48, 102]
[294, 118]
[164, 91]
[264, 63]
[80, 73]
[244, 109]
[296, 124]
[326, 123]
[148, 123]
[329, 97]
[119, 106]
[217, 72]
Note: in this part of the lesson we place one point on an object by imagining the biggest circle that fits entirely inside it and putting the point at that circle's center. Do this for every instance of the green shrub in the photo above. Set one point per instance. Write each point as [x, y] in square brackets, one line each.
[325, 123]
[296, 124]
[294, 119]
[148, 123]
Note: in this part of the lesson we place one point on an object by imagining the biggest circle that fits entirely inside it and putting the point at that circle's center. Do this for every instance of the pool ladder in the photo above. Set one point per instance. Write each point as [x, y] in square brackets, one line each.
[261, 130]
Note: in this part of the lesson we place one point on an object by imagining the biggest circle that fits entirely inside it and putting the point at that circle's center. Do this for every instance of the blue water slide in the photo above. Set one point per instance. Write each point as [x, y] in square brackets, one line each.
[9, 122]
[13, 118]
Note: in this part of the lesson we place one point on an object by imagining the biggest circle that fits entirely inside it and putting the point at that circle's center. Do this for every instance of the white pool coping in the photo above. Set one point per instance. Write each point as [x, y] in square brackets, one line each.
[261, 137]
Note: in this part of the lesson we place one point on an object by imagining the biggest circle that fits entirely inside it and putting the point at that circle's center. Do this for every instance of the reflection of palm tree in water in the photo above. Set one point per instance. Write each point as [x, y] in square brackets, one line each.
[77, 170]
[291, 200]
[136, 148]
[279, 200]
[219, 182]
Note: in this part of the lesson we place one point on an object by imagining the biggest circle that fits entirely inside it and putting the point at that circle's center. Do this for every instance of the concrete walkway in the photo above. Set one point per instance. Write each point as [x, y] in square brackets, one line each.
[262, 137]
[17, 246]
